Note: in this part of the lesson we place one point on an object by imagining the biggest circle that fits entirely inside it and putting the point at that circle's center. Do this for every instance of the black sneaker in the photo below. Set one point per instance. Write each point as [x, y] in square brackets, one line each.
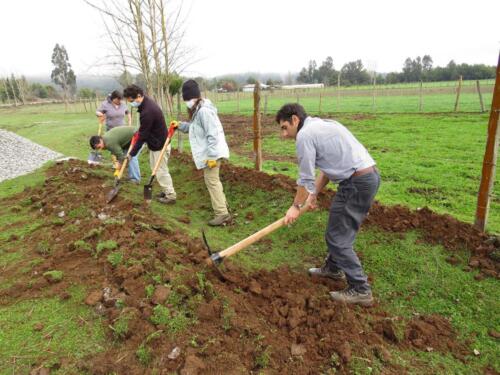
[160, 195]
[324, 271]
[166, 200]
[351, 295]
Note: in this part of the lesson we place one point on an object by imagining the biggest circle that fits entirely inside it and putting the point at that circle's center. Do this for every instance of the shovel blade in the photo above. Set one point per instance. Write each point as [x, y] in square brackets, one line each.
[148, 192]
[94, 158]
[112, 194]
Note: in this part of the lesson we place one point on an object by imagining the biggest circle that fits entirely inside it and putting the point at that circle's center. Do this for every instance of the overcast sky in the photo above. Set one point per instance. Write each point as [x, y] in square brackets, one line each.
[236, 36]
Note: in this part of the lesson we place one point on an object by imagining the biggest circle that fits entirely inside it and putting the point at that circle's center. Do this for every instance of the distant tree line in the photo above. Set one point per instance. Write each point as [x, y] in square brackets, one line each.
[414, 70]
[17, 90]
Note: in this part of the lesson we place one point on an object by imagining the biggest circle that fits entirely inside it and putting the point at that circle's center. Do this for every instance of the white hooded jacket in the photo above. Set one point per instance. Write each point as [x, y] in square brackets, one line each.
[206, 135]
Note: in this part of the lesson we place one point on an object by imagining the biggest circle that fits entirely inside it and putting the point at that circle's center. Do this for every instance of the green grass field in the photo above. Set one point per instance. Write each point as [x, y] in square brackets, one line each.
[440, 155]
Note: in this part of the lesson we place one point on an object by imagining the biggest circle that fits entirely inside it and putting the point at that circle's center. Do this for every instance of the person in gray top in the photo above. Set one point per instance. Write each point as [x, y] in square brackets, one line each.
[113, 111]
[328, 146]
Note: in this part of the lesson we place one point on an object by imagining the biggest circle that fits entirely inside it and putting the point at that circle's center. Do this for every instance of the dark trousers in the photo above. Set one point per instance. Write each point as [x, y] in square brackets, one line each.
[348, 210]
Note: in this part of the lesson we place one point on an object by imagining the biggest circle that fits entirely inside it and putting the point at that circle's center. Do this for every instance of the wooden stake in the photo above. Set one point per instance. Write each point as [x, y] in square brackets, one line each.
[257, 129]
[420, 99]
[480, 96]
[238, 101]
[374, 86]
[338, 92]
[490, 158]
[459, 88]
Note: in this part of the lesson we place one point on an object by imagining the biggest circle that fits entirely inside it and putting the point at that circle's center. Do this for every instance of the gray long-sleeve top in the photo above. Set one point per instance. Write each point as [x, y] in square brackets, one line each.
[330, 147]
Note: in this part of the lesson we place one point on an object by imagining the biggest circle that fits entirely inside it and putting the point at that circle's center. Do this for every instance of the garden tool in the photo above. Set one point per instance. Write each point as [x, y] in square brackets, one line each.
[148, 189]
[118, 177]
[216, 258]
[95, 156]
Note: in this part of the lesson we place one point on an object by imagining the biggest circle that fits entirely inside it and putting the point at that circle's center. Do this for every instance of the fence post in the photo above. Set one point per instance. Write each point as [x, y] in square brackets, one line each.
[480, 96]
[490, 158]
[374, 87]
[420, 99]
[459, 88]
[238, 101]
[338, 92]
[257, 129]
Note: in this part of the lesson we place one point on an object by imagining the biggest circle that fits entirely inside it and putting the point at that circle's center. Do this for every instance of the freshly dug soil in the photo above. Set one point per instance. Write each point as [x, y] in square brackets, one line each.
[279, 321]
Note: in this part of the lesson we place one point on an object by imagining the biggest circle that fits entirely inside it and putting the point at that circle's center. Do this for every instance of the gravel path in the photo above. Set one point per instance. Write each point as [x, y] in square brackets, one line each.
[19, 155]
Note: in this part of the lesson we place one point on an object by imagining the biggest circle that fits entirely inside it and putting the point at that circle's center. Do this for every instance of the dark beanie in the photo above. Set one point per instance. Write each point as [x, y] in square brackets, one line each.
[190, 90]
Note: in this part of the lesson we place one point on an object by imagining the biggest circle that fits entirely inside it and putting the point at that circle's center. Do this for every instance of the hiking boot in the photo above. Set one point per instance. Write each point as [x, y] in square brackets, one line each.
[166, 200]
[324, 271]
[351, 295]
[220, 220]
[160, 195]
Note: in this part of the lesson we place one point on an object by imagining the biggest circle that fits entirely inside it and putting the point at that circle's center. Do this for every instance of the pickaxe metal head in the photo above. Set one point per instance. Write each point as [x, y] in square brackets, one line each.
[214, 258]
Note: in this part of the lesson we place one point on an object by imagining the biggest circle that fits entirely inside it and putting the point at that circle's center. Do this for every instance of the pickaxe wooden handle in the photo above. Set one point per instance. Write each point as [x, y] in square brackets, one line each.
[217, 258]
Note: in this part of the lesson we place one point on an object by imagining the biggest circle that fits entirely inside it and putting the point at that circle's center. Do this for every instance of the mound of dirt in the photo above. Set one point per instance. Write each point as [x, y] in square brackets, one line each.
[445, 230]
[168, 312]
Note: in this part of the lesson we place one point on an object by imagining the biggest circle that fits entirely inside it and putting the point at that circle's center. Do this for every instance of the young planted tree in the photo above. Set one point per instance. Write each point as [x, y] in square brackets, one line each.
[63, 75]
[146, 37]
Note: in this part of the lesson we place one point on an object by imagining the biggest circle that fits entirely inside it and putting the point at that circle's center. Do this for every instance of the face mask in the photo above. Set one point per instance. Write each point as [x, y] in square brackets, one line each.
[135, 104]
[190, 103]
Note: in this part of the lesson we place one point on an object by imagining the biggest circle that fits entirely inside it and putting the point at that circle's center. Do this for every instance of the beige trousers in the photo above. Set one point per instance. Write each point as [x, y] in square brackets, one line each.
[215, 189]
[162, 174]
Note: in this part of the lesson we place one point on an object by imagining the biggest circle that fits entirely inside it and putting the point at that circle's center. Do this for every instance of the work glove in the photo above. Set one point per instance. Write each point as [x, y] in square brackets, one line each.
[211, 163]
[117, 172]
[174, 124]
[171, 129]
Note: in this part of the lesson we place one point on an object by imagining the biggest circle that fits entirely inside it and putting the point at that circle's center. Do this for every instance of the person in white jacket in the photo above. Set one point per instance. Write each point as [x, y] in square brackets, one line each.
[208, 146]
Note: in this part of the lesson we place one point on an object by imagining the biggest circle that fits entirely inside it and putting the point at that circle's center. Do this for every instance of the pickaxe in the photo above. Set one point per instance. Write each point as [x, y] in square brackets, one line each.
[216, 258]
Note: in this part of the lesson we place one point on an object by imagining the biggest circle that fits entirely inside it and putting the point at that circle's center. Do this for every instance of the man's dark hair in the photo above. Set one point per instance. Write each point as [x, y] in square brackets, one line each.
[288, 110]
[94, 141]
[132, 91]
[115, 95]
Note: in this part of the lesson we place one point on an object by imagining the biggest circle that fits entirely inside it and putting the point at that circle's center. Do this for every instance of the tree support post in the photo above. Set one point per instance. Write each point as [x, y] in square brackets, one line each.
[257, 128]
[490, 158]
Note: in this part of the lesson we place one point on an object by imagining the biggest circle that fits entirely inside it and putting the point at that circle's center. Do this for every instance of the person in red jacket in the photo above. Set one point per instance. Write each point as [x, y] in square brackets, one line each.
[153, 132]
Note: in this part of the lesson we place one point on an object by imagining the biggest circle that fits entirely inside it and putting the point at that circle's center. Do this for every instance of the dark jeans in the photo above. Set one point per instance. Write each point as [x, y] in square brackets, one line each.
[348, 210]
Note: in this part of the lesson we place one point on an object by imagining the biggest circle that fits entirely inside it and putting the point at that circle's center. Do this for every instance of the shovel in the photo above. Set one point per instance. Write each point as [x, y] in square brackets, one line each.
[148, 189]
[95, 156]
[114, 192]
[216, 258]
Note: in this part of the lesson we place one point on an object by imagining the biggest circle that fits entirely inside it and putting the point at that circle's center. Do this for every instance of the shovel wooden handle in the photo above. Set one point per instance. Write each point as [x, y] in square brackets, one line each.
[124, 164]
[157, 164]
[99, 131]
[256, 236]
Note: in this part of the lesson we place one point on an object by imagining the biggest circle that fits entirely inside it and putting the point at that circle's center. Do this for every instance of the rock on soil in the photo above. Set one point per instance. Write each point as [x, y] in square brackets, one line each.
[21, 156]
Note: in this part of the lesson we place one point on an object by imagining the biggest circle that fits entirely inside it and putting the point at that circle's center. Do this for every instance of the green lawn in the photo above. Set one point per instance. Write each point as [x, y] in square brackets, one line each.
[440, 155]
